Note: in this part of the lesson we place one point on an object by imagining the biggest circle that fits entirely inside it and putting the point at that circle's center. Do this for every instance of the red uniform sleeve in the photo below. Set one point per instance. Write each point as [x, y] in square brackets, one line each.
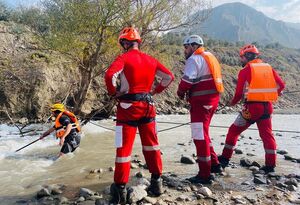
[112, 74]
[166, 77]
[242, 77]
[279, 82]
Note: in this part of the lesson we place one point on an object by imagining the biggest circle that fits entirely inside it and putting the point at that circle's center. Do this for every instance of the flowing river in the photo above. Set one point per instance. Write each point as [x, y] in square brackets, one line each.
[23, 173]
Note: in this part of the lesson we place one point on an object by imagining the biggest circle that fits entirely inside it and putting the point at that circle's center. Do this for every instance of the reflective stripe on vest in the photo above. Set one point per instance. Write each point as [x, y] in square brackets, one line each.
[204, 159]
[263, 87]
[151, 148]
[270, 151]
[214, 67]
[123, 159]
[203, 92]
[197, 80]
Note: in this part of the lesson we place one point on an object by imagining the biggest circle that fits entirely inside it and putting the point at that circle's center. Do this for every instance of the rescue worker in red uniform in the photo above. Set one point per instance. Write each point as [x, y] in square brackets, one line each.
[201, 84]
[260, 84]
[136, 73]
[67, 129]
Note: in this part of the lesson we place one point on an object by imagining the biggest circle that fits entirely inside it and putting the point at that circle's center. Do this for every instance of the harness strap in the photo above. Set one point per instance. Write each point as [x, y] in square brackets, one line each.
[135, 123]
[137, 97]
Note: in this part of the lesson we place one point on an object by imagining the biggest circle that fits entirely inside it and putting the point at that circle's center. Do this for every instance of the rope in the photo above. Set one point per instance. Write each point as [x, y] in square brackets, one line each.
[220, 126]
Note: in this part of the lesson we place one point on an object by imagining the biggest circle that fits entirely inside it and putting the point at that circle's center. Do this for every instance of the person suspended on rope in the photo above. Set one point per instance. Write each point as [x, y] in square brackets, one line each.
[260, 85]
[67, 129]
[136, 73]
[201, 84]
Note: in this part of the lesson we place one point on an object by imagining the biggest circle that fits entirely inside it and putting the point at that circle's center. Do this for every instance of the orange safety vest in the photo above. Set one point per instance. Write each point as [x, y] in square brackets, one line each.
[214, 67]
[263, 87]
[60, 129]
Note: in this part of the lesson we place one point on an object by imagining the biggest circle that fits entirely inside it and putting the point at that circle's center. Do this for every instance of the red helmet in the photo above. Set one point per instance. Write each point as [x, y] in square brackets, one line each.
[130, 34]
[248, 49]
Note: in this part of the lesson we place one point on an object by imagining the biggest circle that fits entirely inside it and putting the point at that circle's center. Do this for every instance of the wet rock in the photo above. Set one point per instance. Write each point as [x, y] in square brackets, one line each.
[288, 157]
[56, 191]
[142, 182]
[187, 160]
[172, 181]
[254, 169]
[281, 185]
[222, 143]
[291, 188]
[81, 199]
[294, 201]
[199, 196]
[101, 202]
[282, 152]
[250, 154]
[182, 198]
[205, 191]
[244, 162]
[111, 169]
[246, 183]
[139, 174]
[259, 180]
[238, 151]
[278, 134]
[85, 192]
[43, 193]
[94, 171]
[182, 144]
[292, 181]
[136, 193]
[134, 166]
[256, 164]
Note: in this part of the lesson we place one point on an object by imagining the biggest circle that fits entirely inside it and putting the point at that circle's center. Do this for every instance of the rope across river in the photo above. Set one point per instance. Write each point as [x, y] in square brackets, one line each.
[180, 124]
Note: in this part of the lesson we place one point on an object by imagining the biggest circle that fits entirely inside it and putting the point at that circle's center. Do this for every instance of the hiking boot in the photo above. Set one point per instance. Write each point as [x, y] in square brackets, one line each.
[223, 161]
[198, 180]
[155, 188]
[216, 169]
[118, 194]
[267, 169]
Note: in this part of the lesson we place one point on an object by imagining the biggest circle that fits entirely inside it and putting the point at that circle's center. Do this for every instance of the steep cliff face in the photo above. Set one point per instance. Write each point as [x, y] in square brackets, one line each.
[31, 77]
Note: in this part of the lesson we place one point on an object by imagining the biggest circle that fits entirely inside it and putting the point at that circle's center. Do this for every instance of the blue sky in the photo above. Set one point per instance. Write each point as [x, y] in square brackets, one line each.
[285, 10]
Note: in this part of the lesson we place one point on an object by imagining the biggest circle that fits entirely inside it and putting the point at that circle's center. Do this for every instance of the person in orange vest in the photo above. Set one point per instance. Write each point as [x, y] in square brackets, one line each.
[201, 84]
[136, 73]
[260, 85]
[67, 129]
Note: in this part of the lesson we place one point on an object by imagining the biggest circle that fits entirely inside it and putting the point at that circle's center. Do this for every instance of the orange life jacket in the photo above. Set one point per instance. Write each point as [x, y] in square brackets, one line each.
[60, 129]
[214, 67]
[263, 87]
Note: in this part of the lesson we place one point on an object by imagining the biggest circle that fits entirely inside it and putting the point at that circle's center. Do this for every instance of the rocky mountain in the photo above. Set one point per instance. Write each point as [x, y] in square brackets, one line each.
[238, 22]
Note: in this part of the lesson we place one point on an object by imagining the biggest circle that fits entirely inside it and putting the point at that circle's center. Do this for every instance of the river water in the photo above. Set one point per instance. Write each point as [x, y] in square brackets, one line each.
[23, 173]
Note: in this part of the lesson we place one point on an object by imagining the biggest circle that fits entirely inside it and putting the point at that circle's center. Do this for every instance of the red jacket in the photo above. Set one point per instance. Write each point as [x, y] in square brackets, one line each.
[136, 72]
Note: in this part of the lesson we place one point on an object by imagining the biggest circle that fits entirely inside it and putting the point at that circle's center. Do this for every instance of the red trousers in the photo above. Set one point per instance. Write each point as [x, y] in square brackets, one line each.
[125, 135]
[201, 116]
[256, 110]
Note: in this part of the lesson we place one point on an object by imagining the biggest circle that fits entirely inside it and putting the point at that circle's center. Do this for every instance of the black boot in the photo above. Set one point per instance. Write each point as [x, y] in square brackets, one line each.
[198, 180]
[223, 161]
[216, 169]
[118, 193]
[155, 188]
[267, 169]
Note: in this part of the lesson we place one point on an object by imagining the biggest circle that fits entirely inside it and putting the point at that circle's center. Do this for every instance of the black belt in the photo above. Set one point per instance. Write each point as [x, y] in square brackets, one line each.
[137, 97]
[136, 123]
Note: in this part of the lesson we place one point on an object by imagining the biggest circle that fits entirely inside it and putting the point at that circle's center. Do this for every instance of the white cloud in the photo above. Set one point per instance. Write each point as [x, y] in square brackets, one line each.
[287, 10]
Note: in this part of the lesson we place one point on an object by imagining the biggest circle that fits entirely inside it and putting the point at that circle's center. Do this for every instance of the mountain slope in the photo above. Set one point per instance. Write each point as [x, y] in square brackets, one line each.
[239, 22]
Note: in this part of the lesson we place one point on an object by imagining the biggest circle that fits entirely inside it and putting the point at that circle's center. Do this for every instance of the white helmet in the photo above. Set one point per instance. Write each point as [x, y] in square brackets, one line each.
[193, 39]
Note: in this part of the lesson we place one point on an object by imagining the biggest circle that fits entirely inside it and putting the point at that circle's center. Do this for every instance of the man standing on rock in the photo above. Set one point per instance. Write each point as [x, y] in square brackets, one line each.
[136, 73]
[67, 129]
[260, 85]
[201, 84]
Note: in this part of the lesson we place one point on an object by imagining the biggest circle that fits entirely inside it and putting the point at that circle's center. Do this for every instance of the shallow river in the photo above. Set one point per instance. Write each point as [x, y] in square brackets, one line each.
[23, 173]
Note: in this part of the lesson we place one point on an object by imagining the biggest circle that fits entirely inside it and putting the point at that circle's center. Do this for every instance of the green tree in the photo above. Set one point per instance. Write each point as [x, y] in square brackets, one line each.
[87, 29]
